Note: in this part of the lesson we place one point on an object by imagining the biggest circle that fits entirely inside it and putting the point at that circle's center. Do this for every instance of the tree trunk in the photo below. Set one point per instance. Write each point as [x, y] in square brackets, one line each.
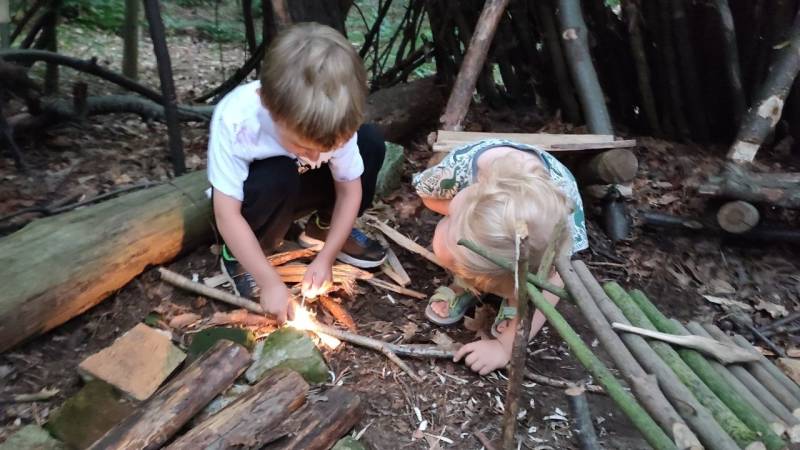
[58, 267]
[762, 116]
[5, 24]
[249, 28]
[318, 425]
[130, 40]
[153, 12]
[158, 419]
[422, 102]
[780, 189]
[731, 53]
[248, 418]
[576, 47]
[50, 39]
[670, 60]
[634, 21]
[472, 65]
[693, 92]
[566, 94]
[325, 12]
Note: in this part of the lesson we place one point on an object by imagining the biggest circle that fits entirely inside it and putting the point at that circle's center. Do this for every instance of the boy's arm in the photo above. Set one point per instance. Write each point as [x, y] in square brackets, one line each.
[345, 210]
[245, 246]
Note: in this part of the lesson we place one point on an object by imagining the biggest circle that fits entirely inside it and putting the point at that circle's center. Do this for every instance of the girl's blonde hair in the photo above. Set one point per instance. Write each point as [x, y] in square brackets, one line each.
[314, 82]
[506, 194]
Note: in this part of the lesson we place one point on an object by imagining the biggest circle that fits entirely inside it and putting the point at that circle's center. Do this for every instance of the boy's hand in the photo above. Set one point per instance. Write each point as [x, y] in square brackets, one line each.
[318, 278]
[275, 301]
[483, 356]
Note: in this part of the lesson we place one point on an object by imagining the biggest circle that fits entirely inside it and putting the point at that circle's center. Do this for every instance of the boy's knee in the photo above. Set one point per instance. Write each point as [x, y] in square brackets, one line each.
[272, 179]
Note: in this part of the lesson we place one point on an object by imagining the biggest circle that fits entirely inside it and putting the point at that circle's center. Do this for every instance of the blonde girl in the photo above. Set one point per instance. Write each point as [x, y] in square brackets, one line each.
[483, 189]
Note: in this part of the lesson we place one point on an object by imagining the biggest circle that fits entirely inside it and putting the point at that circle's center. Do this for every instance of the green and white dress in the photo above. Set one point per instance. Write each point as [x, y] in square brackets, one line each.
[459, 169]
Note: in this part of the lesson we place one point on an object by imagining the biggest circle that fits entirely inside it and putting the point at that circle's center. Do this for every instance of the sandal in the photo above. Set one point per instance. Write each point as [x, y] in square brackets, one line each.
[504, 312]
[458, 304]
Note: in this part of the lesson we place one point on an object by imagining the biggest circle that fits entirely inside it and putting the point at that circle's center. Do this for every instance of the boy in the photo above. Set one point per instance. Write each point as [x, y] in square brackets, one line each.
[269, 140]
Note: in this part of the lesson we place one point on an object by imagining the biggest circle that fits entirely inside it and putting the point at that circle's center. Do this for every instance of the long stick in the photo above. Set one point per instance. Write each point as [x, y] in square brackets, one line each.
[638, 416]
[403, 241]
[645, 388]
[709, 431]
[703, 369]
[771, 368]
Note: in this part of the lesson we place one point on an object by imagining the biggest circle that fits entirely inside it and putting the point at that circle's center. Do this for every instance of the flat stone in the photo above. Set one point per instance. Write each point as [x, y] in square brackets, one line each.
[89, 414]
[288, 348]
[391, 172]
[31, 437]
[136, 363]
[204, 340]
[348, 443]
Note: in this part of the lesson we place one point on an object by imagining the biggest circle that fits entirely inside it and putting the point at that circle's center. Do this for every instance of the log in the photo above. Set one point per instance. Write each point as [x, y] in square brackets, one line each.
[152, 11]
[780, 189]
[611, 167]
[251, 416]
[646, 388]
[574, 37]
[421, 101]
[566, 94]
[319, 424]
[638, 416]
[448, 140]
[58, 267]
[472, 64]
[760, 233]
[732, 425]
[696, 415]
[737, 217]
[5, 24]
[773, 370]
[730, 50]
[582, 418]
[703, 369]
[157, 420]
[130, 40]
[764, 114]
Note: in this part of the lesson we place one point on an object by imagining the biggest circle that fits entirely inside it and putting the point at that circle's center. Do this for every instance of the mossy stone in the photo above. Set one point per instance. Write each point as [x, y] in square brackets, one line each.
[288, 348]
[204, 340]
[391, 172]
[31, 437]
[348, 443]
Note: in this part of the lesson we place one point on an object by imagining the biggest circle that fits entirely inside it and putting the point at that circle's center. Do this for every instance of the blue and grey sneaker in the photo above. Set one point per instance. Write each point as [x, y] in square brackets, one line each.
[358, 250]
[244, 285]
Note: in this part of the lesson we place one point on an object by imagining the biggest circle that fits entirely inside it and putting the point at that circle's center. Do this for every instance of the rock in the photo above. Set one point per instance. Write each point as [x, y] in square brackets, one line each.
[31, 437]
[87, 415]
[206, 339]
[289, 348]
[391, 172]
[348, 443]
[136, 363]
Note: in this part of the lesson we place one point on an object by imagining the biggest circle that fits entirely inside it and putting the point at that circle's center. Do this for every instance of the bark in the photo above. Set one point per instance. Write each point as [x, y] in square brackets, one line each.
[576, 47]
[157, 34]
[519, 352]
[731, 54]
[328, 13]
[737, 217]
[87, 66]
[77, 259]
[766, 111]
[692, 90]
[703, 369]
[738, 183]
[251, 416]
[646, 388]
[249, 27]
[50, 38]
[634, 22]
[423, 102]
[472, 65]
[35, 30]
[158, 419]
[616, 166]
[5, 24]
[670, 69]
[130, 40]
[318, 425]
[582, 418]
[723, 415]
[695, 414]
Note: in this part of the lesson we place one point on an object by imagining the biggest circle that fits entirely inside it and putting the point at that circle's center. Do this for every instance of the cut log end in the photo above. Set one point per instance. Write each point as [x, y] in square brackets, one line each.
[738, 217]
[614, 166]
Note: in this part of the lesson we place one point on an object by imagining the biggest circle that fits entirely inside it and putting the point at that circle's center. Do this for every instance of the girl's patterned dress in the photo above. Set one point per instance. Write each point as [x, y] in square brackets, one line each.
[459, 169]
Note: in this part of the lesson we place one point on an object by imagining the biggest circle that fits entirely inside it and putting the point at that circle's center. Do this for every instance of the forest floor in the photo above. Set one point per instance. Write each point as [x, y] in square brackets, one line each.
[105, 153]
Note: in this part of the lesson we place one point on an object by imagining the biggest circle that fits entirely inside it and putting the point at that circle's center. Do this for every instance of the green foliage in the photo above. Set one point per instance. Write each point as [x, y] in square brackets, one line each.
[612, 3]
[107, 15]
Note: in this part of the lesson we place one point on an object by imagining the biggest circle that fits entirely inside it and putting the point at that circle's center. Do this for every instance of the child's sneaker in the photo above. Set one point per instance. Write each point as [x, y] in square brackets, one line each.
[244, 285]
[358, 250]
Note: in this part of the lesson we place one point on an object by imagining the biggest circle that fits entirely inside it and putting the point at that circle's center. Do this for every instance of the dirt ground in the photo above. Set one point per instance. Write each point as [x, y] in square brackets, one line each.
[675, 269]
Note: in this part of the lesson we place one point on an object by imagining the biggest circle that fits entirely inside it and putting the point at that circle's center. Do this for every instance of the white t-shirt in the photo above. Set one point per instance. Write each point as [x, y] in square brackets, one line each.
[243, 131]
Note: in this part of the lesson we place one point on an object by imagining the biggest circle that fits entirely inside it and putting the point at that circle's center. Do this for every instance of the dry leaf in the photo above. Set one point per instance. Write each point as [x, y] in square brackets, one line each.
[793, 352]
[721, 287]
[726, 303]
[774, 310]
[184, 320]
[409, 330]
[444, 341]
[682, 278]
[666, 199]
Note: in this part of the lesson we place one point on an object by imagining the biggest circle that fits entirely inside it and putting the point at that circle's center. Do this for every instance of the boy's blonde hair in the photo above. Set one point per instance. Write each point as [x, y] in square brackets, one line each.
[314, 83]
[489, 216]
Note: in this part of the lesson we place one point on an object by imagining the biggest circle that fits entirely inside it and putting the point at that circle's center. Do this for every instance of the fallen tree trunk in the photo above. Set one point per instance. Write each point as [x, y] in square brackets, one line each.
[765, 113]
[248, 418]
[60, 266]
[612, 167]
[319, 424]
[155, 422]
[779, 189]
[421, 101]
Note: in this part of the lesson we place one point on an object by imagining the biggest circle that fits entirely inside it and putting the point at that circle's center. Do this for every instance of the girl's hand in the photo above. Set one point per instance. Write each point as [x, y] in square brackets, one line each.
[484, 356]
[318, 278]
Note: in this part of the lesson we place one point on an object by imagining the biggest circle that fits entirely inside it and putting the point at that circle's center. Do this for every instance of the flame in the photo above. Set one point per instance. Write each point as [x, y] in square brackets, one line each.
[304, 320]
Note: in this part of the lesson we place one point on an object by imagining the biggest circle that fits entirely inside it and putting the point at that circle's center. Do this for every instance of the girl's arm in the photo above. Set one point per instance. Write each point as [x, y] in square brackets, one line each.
[439, 205]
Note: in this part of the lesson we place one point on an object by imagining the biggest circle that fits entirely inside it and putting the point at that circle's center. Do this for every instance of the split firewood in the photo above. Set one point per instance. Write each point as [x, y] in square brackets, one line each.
[402, 240]
[398, 272]
[241, 317]
[343, 275]
[338, 312]
[282, 258]
[157, 420]
[377, 282]
[722, 351]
